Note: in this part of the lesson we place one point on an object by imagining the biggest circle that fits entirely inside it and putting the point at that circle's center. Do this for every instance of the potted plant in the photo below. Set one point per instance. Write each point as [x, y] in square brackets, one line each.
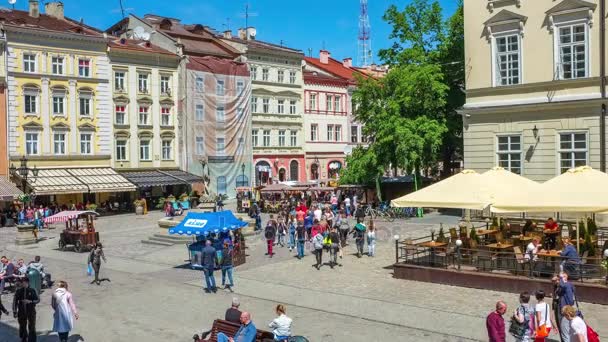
[91, 206]
[139, 206]
[184, 197]
[441, 235]
[160, 203]
[589, 246]
[591, 226]
[494, 222]
[474, 235]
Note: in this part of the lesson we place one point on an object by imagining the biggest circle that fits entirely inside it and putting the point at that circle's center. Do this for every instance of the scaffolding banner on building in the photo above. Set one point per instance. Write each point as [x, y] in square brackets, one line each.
[217, 123]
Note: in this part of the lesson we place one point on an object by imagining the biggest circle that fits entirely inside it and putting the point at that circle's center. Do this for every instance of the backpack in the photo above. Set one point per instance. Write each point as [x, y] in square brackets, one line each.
[301, 233]
[219, 256]
[269, 233]
[592, 336]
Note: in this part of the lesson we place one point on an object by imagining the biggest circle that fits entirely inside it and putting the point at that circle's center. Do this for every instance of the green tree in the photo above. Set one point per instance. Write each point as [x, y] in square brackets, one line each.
[410, 114]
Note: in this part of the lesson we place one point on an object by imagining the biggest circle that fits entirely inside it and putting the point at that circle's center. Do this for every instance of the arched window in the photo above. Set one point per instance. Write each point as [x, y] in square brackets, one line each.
[221, 185]
[263, 173]
[294, 171]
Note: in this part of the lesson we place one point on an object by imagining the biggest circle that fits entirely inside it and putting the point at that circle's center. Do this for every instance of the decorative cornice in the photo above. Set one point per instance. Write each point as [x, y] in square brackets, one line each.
[57, 77]
[532, 87]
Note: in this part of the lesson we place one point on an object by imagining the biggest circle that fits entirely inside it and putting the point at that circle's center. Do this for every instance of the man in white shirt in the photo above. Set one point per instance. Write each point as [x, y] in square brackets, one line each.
[532, 250]
[347, 205]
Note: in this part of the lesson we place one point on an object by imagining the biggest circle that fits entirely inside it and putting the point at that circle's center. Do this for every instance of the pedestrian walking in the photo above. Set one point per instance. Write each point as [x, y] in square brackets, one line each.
[334, 247]
[292, 232]
[269, 234]
[281, 326]
[308, 223]
[2, 308]
[578, 327]
[544, 319]
[208, 263]
[495, 324]
[317, 242]
[359, 234]
[371, 239]
[65, 311]
[282, 231]
[566, 297]
[95, 258]
[522, 315]
[301, 239]
[24, 310]
[227, 265]
[343, 228]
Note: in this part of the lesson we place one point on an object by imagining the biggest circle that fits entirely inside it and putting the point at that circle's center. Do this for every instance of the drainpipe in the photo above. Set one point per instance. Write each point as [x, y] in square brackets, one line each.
[603, 85]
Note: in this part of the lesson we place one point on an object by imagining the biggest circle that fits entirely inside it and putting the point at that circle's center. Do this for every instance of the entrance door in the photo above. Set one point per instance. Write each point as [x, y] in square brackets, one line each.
[281, 175]
[314, 171]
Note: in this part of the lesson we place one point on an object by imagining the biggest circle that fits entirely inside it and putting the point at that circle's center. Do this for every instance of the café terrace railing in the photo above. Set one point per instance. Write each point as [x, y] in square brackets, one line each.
[483, 259]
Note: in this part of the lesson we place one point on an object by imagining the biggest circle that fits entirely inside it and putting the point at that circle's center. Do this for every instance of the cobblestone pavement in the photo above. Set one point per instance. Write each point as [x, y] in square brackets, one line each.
[153, 296]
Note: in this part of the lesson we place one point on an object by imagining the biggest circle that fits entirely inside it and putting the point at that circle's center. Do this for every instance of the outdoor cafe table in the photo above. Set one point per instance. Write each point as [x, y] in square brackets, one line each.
[500, 248]
[549, 256]
[432, 245]
[484, 232]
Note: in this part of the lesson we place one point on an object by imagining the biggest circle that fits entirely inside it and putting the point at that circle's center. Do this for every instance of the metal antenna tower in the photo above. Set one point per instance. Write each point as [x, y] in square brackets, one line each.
[364, 41]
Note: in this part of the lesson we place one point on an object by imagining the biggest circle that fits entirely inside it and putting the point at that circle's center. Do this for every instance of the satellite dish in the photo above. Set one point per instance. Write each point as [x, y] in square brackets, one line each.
[138, 32]
[145, 36]
[253, 32]
[12, 2]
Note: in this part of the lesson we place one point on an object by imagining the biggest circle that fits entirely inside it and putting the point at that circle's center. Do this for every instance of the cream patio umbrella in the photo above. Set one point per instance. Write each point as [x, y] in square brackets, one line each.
[500, 182]
[578, 190]
[465, 190]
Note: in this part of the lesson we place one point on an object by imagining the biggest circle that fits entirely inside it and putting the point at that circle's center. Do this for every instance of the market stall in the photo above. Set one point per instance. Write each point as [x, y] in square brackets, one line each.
[217, 227]
[79, 229]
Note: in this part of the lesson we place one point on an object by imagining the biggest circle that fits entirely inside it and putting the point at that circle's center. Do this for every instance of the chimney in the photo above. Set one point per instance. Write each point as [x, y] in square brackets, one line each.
[242, 33]
[324, 56]
[227, 34]
[347, 62]
[54, 9]
[34, 9]
[251, 32]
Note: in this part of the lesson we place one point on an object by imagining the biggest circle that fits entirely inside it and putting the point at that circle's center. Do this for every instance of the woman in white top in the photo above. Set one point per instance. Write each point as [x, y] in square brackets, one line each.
[578, 328]
[371, 239]
[281, 326]
[543, 315]
[65, 311]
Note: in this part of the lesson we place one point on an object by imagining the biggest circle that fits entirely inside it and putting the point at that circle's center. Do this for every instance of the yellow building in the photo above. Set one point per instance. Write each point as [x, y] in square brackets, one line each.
[536, 102]
[59, 104]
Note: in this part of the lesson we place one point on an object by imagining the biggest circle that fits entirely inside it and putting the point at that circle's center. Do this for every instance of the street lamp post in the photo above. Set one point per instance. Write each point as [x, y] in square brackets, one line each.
[606, 256]
[458, 252]
[396, 237]
[25, 231]
[243, 175]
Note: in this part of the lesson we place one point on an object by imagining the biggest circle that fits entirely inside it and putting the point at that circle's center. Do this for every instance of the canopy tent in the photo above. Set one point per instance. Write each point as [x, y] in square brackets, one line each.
[65, 216]
[500, 182]
[578, 190]
[205, 223]
[275, 188]
[465, 190]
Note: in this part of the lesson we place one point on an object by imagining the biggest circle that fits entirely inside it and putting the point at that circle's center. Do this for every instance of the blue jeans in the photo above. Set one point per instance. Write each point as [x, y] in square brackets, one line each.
[221, 337]
[292, 239]
[209, 278]
[347, 210]
[301, 248]
[227, 270]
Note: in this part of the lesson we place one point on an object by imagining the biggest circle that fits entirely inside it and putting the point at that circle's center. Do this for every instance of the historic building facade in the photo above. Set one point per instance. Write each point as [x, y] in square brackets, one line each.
[213, 121]
[4, 161]
[331, 131]
[59, 104]
[144, 98]
[277, 135]
[535, 102]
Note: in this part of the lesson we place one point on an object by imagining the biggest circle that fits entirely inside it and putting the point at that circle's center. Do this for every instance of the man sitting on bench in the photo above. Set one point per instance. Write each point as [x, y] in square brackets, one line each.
[246, 332]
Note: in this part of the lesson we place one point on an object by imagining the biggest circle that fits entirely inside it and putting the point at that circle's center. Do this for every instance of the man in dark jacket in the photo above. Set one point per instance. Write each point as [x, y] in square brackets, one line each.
[226, 264]
[270, 233]
[24, 309]
[496, 324]
[208, 263]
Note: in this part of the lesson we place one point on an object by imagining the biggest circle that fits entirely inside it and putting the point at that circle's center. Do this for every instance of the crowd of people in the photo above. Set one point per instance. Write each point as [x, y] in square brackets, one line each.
[13, 271]
[322, 227]
[535, 322]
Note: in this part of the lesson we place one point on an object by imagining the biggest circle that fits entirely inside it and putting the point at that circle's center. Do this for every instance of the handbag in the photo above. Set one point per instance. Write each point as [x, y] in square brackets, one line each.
[518, 329]
[89, 269]
[541, 331]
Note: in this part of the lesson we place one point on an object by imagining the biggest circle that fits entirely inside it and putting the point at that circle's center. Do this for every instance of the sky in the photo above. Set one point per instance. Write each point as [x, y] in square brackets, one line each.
[300, 24]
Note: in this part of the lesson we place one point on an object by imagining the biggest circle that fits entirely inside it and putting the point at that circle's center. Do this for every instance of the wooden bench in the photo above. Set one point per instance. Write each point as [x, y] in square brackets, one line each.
[229, 328]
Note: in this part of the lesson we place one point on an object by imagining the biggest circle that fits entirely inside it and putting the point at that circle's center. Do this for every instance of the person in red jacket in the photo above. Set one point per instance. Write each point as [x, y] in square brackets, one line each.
[496, 324]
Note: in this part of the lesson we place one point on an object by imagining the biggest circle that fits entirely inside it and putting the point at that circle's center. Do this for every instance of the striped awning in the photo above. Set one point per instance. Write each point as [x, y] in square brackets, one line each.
[150, 178]
[74, 180]
[65, 216]
[8, 190]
